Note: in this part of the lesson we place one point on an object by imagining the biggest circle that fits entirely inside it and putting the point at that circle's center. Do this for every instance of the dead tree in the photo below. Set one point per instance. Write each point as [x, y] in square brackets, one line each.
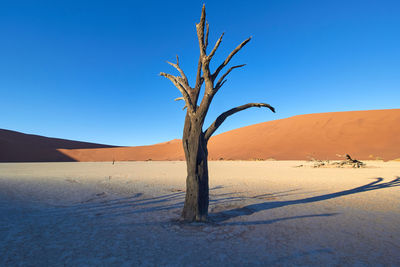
[355, 163]
[194, 138]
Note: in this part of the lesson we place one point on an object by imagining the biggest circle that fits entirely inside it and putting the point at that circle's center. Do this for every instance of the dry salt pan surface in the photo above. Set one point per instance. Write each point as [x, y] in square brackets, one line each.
[263, 213]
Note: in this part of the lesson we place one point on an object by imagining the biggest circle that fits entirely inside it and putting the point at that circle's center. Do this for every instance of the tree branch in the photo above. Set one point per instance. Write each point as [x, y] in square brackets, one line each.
[221, 80]
[205, 66]
[209, 57]
[200, 32]
[206, 38]
[221, 118]
[215, 74]
[199, 82]
[176, 81]
[219, 86]
[176, 66]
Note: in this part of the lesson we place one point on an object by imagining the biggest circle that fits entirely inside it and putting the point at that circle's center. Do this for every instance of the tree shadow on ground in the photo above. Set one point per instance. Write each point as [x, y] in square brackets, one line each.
[138, 204]
[264, 222]
[254, 208]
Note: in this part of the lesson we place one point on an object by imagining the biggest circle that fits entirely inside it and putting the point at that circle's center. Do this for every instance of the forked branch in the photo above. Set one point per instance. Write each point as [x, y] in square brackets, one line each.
[178, 68]
[177, 82]
[221, 80]
[221, 118]
[230, 56]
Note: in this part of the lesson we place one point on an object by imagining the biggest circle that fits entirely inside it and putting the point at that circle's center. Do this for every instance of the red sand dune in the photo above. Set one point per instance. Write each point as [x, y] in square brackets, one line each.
[362, 134]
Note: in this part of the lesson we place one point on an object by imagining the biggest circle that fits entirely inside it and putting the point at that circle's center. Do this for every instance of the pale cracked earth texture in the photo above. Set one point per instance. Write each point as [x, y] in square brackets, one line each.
[263, 213]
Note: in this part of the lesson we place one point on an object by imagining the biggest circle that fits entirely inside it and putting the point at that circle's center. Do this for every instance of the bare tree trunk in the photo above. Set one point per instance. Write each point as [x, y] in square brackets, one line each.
[194, 139]
[195, 147]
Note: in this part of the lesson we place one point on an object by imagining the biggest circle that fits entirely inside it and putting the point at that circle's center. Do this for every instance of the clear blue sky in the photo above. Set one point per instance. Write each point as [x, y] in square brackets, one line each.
[88, 70]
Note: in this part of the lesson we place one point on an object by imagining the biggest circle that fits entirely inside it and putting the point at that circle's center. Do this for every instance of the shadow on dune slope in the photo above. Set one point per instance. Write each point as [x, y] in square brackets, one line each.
[20, 147]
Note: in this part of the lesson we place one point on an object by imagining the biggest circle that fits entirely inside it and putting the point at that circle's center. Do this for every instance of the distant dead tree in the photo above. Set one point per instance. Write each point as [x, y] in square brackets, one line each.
[194, 138]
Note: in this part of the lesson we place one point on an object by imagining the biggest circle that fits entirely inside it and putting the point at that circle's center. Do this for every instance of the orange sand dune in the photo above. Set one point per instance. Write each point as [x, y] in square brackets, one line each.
[362, 134]
[171, 150]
